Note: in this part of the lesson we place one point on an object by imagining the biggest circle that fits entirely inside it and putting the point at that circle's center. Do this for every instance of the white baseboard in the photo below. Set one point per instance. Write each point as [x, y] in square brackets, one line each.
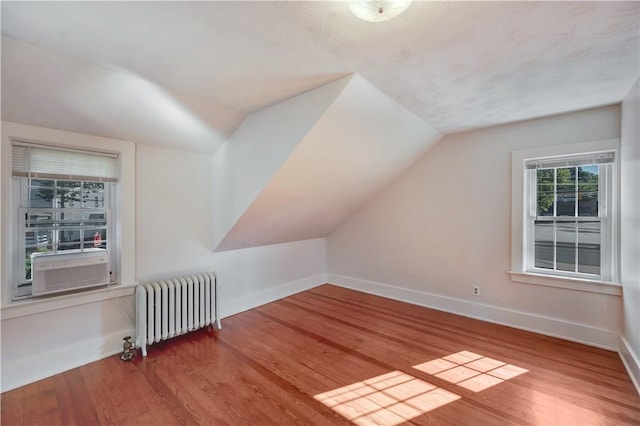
[39, 366]
[235, 305]
[630, 361]
[554, 327]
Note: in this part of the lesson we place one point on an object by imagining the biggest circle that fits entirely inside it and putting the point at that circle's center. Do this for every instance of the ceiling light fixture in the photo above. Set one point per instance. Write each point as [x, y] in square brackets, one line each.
[378, 10]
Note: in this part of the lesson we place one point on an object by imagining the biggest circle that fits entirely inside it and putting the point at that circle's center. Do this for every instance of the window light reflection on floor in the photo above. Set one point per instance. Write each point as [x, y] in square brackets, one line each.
[396, 397]
[470, 370]
[389, 399]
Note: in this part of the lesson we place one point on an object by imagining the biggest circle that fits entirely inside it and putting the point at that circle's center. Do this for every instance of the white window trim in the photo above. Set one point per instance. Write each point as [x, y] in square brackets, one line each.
[124, 223]
[518, 190]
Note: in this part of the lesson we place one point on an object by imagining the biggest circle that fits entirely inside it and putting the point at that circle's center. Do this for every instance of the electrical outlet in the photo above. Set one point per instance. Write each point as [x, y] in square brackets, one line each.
[476, 290]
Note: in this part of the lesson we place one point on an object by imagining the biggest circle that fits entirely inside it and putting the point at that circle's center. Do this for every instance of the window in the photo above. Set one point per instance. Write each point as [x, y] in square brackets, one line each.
[65, 202]
[565, 216]
[568, 225]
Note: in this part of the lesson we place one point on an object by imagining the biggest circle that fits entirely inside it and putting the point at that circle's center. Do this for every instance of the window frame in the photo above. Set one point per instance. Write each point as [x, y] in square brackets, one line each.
[22, 185]
[521, 234]
[123, 222]
[530, 217]
[21, 193]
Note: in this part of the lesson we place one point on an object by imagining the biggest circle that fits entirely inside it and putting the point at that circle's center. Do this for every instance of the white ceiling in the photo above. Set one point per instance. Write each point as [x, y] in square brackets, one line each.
[457, 65]
[211, 77]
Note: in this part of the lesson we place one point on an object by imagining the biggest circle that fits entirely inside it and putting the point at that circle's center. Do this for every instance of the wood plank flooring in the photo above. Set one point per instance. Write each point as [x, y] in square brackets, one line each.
[332, 356]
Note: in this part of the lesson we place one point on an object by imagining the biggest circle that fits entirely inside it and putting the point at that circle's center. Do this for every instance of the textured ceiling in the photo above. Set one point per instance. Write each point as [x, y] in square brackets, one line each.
[457, 65]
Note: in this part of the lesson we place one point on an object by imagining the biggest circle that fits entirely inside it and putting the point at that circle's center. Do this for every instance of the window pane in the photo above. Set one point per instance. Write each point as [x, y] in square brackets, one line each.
[69, 184]
[566, 191]
[69, 239]
[70, 219]
[70, 245]
[42, 182]
[68, 198]
[544, 245]
[38, 239]
[588, 191]
[545, 192]
[95, 238]
[589, 247]
[566, 246]
[44, 219]
[42, 197]
[27, 258]
[68, 194]
[93, 220]
[93, 195]
[27, 264]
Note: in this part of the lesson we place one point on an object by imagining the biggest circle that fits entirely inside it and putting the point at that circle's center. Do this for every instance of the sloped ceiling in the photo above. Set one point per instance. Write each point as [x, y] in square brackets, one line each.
[360, 142]
[331, 107]
[255, 152]
[45, 88]
[457, 65]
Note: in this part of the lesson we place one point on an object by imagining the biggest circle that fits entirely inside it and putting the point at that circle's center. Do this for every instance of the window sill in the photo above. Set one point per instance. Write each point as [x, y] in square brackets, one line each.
[577, 284]
[28, 307]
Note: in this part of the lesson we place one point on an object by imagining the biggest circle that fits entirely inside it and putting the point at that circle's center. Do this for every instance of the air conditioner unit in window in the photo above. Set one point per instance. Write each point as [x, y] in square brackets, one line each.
[68, 270]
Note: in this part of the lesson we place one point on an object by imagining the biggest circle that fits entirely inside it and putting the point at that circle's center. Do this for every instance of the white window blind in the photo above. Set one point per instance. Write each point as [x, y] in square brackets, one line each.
[40, 161]
[570, 161]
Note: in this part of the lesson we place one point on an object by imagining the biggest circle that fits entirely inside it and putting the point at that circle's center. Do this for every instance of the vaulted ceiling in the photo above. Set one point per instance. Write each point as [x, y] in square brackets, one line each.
[196, 75]
[457, 65]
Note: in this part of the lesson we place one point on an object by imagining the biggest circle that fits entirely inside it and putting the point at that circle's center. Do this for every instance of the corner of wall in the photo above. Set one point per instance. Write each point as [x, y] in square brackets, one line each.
[630, 361]
[630, 231]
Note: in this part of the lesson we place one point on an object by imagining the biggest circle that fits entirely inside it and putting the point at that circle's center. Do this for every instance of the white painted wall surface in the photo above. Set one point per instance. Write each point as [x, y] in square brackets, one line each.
[444, 226]
[41, 345]
[245, 164]
[173, 224]
[630, 231]
[173, 234]
[362, 141]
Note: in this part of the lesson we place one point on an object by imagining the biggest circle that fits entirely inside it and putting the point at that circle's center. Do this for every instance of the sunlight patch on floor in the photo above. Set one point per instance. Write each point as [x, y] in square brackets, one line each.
[470, 370]
[389, 399]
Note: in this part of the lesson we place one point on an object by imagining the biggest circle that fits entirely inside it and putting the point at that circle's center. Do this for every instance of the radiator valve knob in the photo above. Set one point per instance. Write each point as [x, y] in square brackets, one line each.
[127, 353]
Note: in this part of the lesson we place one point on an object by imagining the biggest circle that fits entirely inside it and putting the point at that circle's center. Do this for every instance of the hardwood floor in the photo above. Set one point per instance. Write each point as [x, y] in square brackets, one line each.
[332, 356]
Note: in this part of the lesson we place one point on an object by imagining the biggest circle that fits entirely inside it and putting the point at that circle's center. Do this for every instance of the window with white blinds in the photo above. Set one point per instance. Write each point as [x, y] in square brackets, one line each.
[569, 220]
[40, 161]
[66, 202]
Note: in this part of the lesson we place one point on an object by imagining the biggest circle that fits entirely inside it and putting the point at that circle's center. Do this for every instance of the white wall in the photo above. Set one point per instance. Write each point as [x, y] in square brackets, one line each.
[173, 235]
[245, 164]
[630, 231]
[444, 226]
[173, 224]
[361, 142]
[418, 239]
